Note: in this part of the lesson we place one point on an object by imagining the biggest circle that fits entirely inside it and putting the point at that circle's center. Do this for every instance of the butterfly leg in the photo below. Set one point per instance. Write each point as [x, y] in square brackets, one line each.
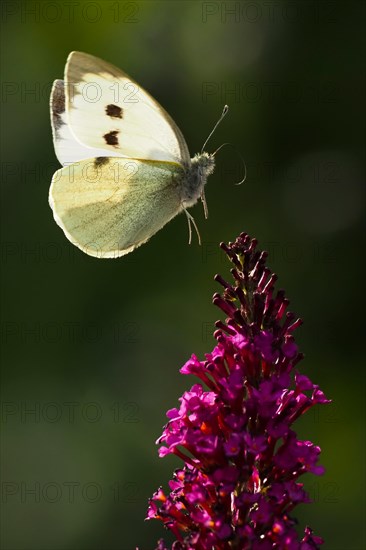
[190, 219]
[203, 199]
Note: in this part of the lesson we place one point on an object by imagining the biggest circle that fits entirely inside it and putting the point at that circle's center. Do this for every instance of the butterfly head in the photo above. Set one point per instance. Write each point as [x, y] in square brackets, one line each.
[202, 165]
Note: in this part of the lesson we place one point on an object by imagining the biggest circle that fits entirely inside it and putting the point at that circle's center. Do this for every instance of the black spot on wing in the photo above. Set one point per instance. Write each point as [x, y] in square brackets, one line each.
[100, 161]
[58, 104]
[111, 138]
[114, 111]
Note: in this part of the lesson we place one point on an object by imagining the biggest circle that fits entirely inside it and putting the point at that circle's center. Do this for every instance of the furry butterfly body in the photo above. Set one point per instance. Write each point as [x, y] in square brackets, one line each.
[126, 166]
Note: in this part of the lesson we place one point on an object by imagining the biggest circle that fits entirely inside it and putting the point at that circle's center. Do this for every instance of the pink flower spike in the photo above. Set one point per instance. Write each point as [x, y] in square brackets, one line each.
[238, 485]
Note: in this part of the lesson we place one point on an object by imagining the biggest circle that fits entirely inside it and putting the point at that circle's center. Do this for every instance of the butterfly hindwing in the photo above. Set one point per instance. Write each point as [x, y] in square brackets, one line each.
[109, 206]
[108, 110]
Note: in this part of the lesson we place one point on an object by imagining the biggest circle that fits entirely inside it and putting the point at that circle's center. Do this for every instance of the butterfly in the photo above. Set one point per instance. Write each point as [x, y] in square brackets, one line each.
[126, 166]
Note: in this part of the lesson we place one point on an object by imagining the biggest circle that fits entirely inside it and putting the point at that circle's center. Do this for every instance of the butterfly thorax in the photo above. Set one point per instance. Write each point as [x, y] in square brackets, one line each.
[202, 165]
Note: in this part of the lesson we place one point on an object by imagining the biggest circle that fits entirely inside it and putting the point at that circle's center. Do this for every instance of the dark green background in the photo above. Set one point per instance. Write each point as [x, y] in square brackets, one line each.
[110, 336]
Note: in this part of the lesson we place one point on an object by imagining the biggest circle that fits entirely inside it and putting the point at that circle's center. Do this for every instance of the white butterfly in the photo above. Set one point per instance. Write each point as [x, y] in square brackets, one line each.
[127, 169]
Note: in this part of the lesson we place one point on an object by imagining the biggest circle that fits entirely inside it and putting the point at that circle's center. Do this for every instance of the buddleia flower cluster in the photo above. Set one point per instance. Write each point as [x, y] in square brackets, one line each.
[238, 486]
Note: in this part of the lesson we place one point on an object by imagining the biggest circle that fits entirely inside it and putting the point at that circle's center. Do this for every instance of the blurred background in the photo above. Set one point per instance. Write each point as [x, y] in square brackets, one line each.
[92, 348]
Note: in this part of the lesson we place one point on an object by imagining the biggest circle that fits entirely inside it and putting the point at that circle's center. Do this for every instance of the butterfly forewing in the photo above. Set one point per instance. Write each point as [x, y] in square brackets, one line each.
[68, 149]
[108, 110]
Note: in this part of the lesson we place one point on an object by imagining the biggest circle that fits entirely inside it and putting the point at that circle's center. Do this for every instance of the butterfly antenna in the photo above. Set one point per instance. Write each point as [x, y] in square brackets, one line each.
[240, 155]
[225, 110]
